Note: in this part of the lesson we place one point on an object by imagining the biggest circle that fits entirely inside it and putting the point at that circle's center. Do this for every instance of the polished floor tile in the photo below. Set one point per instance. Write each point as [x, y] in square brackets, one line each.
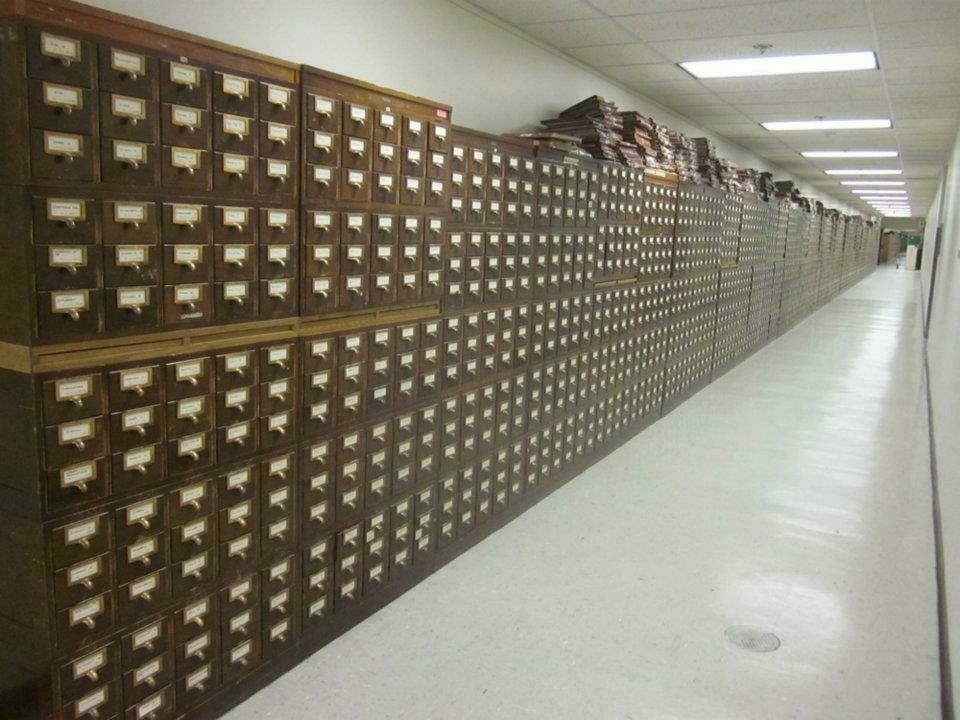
[791, 496]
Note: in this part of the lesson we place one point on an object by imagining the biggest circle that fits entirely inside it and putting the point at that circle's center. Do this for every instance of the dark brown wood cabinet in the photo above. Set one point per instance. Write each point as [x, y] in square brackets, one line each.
[275, 344]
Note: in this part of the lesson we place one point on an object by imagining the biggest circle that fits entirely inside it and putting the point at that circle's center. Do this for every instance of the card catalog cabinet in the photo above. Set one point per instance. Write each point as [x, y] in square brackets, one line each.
[375, 180]
[150, 182]
[277, 344]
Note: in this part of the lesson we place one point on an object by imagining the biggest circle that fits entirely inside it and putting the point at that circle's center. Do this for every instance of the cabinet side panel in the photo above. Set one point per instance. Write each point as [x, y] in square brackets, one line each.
[16, 286]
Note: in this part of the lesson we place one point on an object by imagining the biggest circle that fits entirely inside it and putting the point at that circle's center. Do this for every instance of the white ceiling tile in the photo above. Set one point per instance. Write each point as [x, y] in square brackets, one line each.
[871, 93]
[738, 130]
[578, 33]
[921, 170]
[892, 12]
[798, 83]
[922, 58]
[909, 93]
[700, 102]
[918, 113]
[868, 163]
[936, 143]
[789, 43]
[942, 107]
[531, 11]
[810, 110]
[652, 72]
[921, 76]
[637, 7]
[606, 55]
[869, 139]
[773, 147]
[747, 19]
[933, 125]
[676, 89]
[935, 155]
[702, 115]
[928, 85]
[918, 34]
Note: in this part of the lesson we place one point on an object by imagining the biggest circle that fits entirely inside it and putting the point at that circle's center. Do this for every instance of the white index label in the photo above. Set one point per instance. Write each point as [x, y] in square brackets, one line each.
[181, 74]
[236, 86]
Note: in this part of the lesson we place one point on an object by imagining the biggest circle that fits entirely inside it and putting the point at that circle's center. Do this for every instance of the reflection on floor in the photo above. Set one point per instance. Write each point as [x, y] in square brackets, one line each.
[792, 496]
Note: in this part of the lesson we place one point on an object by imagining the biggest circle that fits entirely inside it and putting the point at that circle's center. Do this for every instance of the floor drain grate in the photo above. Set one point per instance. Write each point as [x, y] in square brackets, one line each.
[752, 639]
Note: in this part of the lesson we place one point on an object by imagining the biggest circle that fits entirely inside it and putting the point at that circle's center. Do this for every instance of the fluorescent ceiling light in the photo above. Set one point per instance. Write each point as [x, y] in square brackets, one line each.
[875, 191]
[873, 183]
[864, 172]
[850, 154]
[791, 125]
[781, 65]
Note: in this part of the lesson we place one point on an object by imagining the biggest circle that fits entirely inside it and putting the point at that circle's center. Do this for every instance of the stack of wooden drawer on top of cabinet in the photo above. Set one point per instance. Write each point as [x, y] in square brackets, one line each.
[375, 178]
[159, 180]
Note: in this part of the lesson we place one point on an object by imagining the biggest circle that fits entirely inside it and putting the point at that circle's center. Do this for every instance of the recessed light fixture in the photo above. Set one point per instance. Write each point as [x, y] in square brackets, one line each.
[781, 65]
[875, 191]
[850, 154]
[792, 125]
[872, 183]
[845, 171]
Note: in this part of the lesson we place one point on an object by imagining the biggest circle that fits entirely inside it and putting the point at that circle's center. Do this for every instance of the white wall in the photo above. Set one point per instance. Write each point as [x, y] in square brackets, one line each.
[943, 354]
[929, 251]
[497, 79]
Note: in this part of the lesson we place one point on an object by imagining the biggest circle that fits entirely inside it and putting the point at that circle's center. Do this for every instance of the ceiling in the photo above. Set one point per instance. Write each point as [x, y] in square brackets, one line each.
[639, 43]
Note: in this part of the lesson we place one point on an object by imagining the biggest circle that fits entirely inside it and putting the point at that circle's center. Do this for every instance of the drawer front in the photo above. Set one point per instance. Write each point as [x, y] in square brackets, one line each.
[146, 641]
[234, 94]
[128, 71]
[86, 579]
[85, 621]
[72, 398]
[183, 84]
[130, 223]
[323, 113]
[84, 673]
[62, 107]
[60, 57]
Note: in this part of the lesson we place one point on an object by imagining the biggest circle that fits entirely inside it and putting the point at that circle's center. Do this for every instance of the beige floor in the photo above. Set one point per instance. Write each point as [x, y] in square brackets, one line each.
[792, 496]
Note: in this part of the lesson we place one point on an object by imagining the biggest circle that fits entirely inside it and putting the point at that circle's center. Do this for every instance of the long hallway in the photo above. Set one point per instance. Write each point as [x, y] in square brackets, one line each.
[791, 496]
